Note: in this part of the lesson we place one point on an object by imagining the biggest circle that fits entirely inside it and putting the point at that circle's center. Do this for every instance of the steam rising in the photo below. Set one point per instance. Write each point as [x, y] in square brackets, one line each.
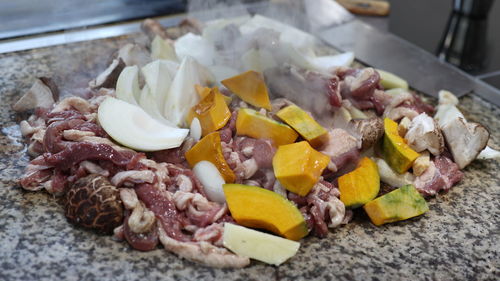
[276, 42]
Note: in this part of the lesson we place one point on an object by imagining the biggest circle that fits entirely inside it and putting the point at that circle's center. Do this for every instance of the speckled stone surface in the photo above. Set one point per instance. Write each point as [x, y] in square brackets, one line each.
[458, 239]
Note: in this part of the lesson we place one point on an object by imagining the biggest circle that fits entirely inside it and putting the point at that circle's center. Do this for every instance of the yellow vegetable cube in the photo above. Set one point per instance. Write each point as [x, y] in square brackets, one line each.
[253, 124]
[211, 111]
[361, 185]
[209, 149]
[304, 124]
[250, 87]
[298, 166]
[258, 207]
[400, 204]
[395, 151]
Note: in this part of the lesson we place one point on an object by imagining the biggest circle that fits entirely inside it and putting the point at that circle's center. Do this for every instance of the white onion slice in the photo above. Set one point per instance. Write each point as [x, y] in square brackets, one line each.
[162, 49]
[195, 46]
[258, 60]
[148, 104]
[195, 129]
[131, 126]
[158, 76]
[211, 179]
[127, 86]
[390, 177]
[214, 27]
[329, 63]
[288, 34]
[182, 95]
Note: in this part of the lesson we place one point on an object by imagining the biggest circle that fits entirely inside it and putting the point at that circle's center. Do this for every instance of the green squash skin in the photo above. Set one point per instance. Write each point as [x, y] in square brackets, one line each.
[396, 160]
[406, 202]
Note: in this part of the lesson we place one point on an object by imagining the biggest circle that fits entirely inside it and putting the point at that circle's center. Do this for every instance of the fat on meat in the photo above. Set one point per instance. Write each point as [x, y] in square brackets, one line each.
[327, 203]
[359, 86]
[141, 219]
[201, 211]
[92, 168]
[133, 177]
[213, 233]
[202, 252]
[342, 148]
[77, 103]
[441, 175]
[140, 241]
[321, 208]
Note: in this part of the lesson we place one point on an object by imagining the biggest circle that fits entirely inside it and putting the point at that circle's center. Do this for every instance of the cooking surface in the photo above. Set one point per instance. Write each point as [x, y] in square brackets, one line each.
[456, 240]
[26, 17]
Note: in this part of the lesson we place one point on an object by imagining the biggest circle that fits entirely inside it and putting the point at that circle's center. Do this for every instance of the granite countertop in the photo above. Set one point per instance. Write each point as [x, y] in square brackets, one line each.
[458, 239]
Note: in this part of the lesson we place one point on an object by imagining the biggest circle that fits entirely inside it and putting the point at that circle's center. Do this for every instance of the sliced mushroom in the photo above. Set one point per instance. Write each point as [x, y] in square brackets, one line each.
[465, 140]
[421, 164]
[107, 79]
[447, 111]
[185, 26]
[404, 126]
[424, 134]
[371, 130]
[44, 93]
[447, 97]
[153, 28]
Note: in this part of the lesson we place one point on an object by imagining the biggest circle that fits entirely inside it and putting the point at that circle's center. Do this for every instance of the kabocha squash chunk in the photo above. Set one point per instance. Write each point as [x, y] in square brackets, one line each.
[250, 87]
[202, 91]
[209, 149]
[396, 152]
[400, 204]
[253, 124]
[298, 166]
[211, 111]
[258, 207]
[361, 185]
[304, 124]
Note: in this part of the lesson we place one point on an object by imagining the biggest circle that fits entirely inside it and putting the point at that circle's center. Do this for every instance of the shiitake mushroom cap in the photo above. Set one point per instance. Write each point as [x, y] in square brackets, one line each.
[93, 202]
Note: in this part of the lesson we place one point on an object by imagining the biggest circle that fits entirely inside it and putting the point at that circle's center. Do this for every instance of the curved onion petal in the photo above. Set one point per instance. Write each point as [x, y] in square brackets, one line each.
[211, 179]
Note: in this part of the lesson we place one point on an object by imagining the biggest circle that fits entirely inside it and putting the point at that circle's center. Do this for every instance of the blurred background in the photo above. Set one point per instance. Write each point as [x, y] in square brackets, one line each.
[465, 33]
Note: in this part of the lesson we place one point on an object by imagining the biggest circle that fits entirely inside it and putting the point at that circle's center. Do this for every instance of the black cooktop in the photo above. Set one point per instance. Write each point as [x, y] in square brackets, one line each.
[469, 41]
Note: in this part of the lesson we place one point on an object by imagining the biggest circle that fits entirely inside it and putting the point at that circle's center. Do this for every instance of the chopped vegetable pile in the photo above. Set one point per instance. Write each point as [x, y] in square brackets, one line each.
[227, 142]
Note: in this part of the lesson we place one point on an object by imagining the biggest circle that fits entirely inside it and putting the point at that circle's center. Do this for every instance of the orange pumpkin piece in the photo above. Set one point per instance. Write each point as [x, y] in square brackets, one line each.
[209, 149]
[304, 124]
[396, 152]
[400, 204]
[258, 207]
[298, 166]
[211, 111]
[361, 185]
[203, 91]
[253, 124]
[250, 87]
